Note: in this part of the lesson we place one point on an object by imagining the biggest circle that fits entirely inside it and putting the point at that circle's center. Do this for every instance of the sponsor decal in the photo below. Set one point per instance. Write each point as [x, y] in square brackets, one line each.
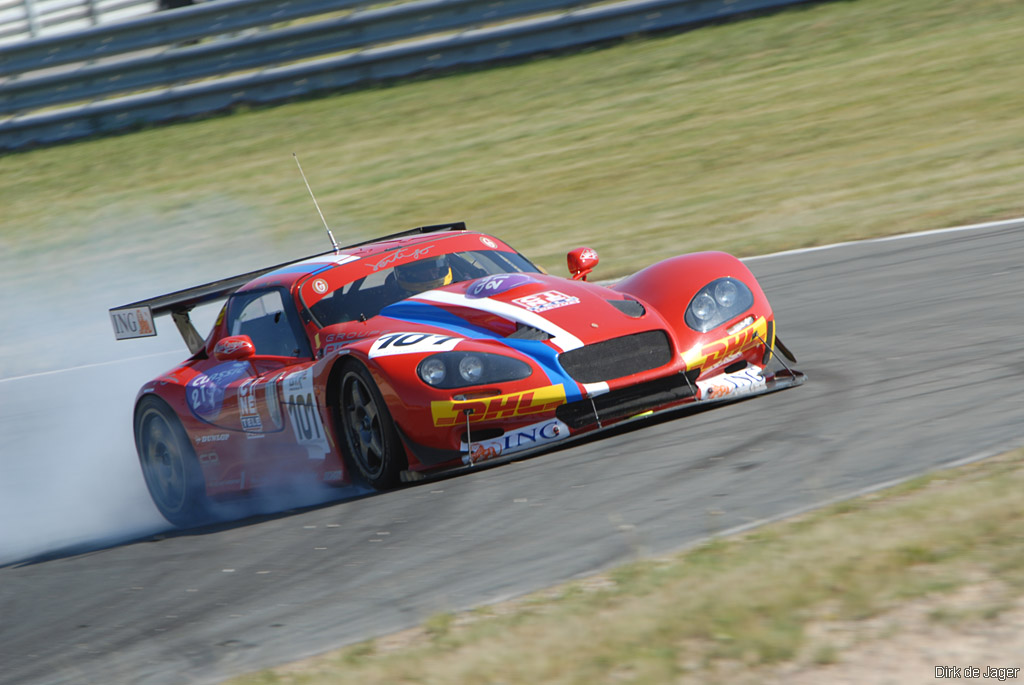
[496, 284]
[561, 338]
[515, 441]
[205, 392]
[732, 384]
[542, 302]
[217, 437]
[348, 336]
[133, 323]
[248, 411]
[336, 341]
[208, 458]
[226, 347]
[409, 343]
[304, 415]
[220, 317]
[320, 286]
[718, 351]
[399, 255]
[481, 453]
[588, 253]
[537, 401]
[488, 242]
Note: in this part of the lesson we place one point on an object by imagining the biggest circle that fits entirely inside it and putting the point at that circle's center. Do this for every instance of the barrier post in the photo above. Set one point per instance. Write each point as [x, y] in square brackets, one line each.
[33, 19]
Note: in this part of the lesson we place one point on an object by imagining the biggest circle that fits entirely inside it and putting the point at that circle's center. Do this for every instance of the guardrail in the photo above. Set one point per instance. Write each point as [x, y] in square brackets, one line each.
[359, 29]
[21, 20]
[480, 38]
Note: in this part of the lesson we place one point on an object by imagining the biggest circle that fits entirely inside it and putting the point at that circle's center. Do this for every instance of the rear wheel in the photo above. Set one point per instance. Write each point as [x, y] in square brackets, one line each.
[169, 464]
[371, 439]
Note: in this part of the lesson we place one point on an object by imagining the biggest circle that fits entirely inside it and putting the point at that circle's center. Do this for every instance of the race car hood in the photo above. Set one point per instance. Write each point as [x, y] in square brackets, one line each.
[569, 314]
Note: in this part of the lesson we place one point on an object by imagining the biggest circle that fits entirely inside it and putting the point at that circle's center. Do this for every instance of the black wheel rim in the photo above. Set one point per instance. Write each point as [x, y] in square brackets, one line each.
[163, 464]
[363, 422]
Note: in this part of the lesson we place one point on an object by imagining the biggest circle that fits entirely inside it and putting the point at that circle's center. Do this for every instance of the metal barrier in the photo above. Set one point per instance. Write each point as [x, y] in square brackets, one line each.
[477, 42]
[356, 30]
[21, 20]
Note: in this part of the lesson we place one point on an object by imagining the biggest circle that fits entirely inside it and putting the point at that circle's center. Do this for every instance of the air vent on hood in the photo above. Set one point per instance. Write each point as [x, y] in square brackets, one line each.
[525, 332]
[629, 307]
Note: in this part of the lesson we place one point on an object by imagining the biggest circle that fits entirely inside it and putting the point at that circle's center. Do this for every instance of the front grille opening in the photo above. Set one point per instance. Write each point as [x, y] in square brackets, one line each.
[738, 366]
[617, 357]
[480, 434]
[628, 401]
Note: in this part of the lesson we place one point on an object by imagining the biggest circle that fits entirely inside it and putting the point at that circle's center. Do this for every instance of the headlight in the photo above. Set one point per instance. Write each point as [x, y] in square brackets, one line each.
[460, 369]
[716, 303]
[471, 368]
[433, 371]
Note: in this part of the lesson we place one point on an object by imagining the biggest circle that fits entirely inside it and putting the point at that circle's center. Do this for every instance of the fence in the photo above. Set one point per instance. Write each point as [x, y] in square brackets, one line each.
[156, 59]
[24, 19]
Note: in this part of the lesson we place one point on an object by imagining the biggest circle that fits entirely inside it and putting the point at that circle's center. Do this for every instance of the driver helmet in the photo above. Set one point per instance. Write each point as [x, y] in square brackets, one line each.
[426, 274]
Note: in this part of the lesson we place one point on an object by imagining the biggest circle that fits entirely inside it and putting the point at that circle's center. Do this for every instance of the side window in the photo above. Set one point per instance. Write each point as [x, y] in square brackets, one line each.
[263, 316]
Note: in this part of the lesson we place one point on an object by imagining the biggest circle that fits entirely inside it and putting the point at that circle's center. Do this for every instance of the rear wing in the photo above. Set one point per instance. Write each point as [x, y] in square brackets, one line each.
[135, 320]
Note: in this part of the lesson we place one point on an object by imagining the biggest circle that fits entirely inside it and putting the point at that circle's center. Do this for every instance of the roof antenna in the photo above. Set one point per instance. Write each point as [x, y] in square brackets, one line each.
[317, 205]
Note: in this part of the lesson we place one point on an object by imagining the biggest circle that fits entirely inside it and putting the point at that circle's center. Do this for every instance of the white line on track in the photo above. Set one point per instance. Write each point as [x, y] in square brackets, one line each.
[884, 239]
[89, 366]
[818, 248]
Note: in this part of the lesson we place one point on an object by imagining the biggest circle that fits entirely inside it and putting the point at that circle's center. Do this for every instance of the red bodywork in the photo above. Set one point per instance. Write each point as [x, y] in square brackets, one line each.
[252, 418]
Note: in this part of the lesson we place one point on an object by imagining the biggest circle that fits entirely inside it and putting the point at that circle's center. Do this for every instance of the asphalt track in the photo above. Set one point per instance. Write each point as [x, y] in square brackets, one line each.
[914, 353]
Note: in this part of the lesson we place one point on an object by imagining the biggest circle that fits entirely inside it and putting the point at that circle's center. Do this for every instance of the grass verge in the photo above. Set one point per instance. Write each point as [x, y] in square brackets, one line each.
[819, 123]
[816, 124]
[739, 607]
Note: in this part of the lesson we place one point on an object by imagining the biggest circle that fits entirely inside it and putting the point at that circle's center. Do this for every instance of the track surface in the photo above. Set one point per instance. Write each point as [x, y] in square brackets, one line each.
[914, 356]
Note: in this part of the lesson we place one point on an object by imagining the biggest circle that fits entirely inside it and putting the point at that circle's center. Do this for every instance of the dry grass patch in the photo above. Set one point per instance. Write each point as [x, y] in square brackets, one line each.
[794, 595]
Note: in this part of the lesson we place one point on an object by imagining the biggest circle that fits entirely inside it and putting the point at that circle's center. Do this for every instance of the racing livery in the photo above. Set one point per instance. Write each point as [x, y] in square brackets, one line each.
[429, 350]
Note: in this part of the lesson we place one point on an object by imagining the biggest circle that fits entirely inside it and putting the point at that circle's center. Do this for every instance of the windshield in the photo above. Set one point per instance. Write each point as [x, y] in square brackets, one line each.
[365, 297]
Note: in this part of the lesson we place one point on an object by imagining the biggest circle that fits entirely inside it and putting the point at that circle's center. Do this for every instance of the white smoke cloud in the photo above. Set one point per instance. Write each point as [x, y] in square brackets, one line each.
[69, 475]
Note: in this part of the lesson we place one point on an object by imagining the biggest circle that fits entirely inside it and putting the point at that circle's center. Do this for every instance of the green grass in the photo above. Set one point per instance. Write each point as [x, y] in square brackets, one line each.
[816, 124]
[745, 602]
[822, 123]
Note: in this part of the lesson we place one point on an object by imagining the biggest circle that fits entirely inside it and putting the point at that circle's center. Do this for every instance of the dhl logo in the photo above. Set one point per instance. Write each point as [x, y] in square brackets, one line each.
[450, 413]
[704, 356]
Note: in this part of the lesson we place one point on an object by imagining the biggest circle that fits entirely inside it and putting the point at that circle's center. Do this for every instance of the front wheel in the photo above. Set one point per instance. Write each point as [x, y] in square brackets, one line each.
[371, 440]
[169, 464]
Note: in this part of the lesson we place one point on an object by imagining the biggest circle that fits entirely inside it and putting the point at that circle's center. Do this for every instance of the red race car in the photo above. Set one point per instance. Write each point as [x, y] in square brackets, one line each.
[429, 350]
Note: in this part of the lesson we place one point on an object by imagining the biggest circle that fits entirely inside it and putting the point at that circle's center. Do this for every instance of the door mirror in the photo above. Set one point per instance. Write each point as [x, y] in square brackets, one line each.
[581, 261]
[235, 347]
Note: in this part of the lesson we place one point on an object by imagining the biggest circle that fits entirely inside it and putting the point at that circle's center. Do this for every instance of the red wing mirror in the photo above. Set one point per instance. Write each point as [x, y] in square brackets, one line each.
[235, 347]
[581, 261]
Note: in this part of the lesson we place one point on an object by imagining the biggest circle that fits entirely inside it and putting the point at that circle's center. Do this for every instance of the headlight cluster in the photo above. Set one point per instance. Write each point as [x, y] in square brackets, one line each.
[716, 303]
[459, 369]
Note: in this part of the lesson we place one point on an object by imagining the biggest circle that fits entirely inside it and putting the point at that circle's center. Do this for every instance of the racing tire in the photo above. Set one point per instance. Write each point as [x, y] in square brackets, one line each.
[169, 465]
[372, 445]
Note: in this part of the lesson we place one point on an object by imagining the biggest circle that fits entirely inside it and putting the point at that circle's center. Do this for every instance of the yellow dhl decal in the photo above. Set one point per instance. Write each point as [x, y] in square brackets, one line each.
[450, 413]
[702, 356]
